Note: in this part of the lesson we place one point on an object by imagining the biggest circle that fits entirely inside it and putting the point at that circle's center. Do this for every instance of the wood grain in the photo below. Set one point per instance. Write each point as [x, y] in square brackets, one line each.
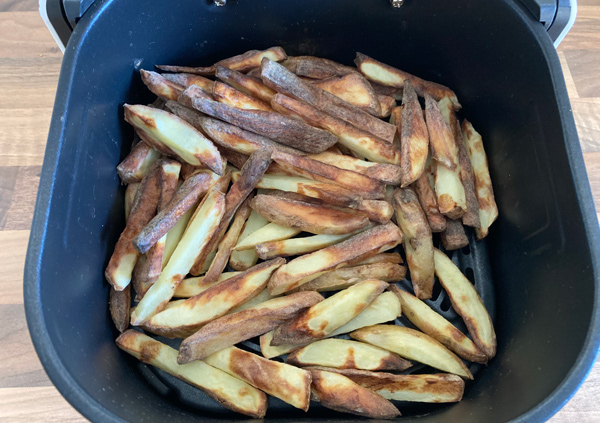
[13, 246]
[581, 64]
[584, 34]
[23, 136]
[36, 405]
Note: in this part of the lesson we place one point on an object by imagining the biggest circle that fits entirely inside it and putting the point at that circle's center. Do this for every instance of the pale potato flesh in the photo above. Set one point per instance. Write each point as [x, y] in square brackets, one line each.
[268, 233]
[242, 260]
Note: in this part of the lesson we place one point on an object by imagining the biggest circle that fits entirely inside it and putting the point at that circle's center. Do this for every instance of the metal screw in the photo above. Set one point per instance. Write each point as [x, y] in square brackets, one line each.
[397, 3]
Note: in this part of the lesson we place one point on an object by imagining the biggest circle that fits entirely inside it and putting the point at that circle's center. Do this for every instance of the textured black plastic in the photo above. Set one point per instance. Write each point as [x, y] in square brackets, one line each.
[543, 251]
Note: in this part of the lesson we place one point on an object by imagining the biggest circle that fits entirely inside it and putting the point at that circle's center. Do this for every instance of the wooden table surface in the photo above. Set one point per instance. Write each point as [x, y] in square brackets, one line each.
[29, 68]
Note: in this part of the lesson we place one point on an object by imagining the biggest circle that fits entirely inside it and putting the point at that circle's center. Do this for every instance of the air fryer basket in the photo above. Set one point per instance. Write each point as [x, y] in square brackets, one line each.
[542, 254]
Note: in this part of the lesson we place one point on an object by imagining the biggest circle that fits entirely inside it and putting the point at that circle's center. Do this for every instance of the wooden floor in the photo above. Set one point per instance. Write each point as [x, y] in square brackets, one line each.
[29, 67]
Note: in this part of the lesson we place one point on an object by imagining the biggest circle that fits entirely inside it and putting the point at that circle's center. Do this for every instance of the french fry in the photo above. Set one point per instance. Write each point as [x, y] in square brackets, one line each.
[386, 103]
[244, 83]
[137, 163]
[386, 90]
[227, 243]
[261, 297]
[317, 219]
[488, 211]
[467, 303]
[173, 136]
[345, 354]
[316, 67]
[185, 319]
[130, 192]
[229, 391]
[385, 173]
[238, 327]
[413, 345]
[432, 388]
[341, 394]
[297, 246]
[414, 137]
[268, 233]
[323, 318]
[357, 140]
[428, 201]
[184, 80]
[190, 287]
[385, 308]
[348, 276]
[353, 88]
[454, 237]
[120, 267]
[307, 267]
[418, 242]
[234, 98]
[160, 86]
[434, 325]
[441, 136]
[242, 260]
[282, 80]
[386, 75]
[174, 235]
[119, 305]
[288, 383]
[282, 129]
[380, 258]
[185, 198]
[242, 62]
[196, 237]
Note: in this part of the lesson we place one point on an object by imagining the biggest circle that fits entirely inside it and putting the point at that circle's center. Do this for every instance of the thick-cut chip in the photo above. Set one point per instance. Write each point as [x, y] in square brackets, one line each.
[356, 139]
[488, 211]
[418, 242]
[450, 191]
[282, 80]
[229, 391]
[137, 163]
[341, 394]
[380, 258]
[308, 267]
[244, 83]
[345, 354]
[414, 345]
[119, 305]
[386, 90]
[434, 325]
[387, 104]
[242, 260]
[467, 303]
[428, 200]
[185, 319]
[385, 173]
[173, 136]
[297, 246]
[269, 232]
[242, 62]
[201, 228]
[160, 86]
[130, 192]
[184, 80]
[432, 388]
[454, 237]
[225, 94]
[283, 129]
[238, 327]
[328, 315]
[185, 198]
[355, 89]
[120, 267]
[316, 67]
[386, 75]
[348, 276]
[317, 219]
[288, 383]
[174, 235]
[414, 137]
[441, 137]
[261, 297]
[190, 287]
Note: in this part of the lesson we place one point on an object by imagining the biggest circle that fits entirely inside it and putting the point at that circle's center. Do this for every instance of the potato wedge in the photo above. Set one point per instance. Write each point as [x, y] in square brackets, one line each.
[450, 191]
[229, 391]
[454, 237]
[414, 137]
[242, 260]
[137, 163]
[353, 88]
[386, 75]
[225, 94]
[173, 136]
[238, 327]
[130, 192]
[244, 83]
[288, 383]
[385, 173]
[348, 276]
[380, 258]
[387, 104]
[160, 86]
[434, 325]
[190, 287]
[119, 305]
[441, 136]
[184, 199]
[185, 319]
[323, 318]
[201, 228]
[488, 211]
[260, 298]
[317, 219]
[428, 201]
[467, 303]
[242, 62]
[316, 67]
[175, 233]
[432, 388]
[285, 130]
[120, 266]
[285, 82]
[297, 246]
[356, 139]
[418, 242]
[386, 90]
[184, 80]
[345, 354]
[269, 232]
[414, 345]
[341, 394]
